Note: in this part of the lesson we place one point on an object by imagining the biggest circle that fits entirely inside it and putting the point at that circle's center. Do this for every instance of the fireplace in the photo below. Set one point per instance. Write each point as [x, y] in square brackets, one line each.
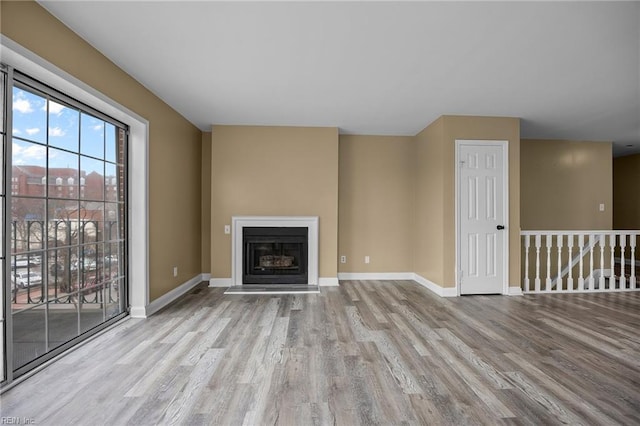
[275, 255]
[289, 261]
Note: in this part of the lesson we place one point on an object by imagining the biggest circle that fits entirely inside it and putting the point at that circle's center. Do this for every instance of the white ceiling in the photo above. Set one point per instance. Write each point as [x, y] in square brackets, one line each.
[569, 70]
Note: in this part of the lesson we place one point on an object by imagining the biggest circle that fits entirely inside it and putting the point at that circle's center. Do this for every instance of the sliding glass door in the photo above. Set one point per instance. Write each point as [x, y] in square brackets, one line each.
[65, 272]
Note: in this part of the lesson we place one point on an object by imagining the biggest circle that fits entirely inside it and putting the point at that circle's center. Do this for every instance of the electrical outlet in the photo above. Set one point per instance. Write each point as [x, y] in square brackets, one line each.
[601, 207]
[343, 259]
[227, 229]
[175, 271]
[367, 259]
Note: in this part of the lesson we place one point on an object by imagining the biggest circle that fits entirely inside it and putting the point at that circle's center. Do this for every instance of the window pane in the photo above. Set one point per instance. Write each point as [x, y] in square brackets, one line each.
[91, 306]
[63, 174]
[91, 136]
[111, 142]
[36, 264]
[29, 116]
[27, 228]
[111, 261]
[91, 222]
[89, 255]
[111, 182]
[26, 286]
[29, 340]
[122, 262]
[114, 303]
[114, 228]
[63, 321]
[28, 174]
[62, 278]
[63, 225]
[93, 172]
[63, 126]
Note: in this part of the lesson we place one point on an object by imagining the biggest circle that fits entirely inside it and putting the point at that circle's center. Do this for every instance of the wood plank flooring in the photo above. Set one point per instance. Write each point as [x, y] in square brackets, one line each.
[367, 352]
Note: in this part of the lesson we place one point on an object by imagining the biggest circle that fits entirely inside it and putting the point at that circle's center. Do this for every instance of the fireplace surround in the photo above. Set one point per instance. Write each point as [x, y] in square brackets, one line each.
[272, 249]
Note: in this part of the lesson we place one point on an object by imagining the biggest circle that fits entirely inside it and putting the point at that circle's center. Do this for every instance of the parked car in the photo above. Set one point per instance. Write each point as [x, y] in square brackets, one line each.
[19, 262]
[88, 265]
[24, 261]
[26, 279]
[111, 260]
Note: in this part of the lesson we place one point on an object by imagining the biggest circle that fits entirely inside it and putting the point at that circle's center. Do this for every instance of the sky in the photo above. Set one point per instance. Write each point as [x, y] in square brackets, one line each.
[63, 129]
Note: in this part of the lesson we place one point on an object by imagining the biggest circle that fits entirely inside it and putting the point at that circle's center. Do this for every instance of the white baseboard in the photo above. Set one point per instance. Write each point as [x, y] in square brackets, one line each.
[328, 282]
[515, 291]
[440, 291]
[345, 276]
[138, 312]
[167, 298]
[220, 282]
[449, 292]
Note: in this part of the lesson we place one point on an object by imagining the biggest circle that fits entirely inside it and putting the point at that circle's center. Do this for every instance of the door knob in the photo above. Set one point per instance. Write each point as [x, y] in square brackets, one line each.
[500, 227]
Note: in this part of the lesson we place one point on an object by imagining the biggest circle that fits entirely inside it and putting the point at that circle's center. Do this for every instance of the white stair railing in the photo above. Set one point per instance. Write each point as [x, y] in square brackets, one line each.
[581, 261]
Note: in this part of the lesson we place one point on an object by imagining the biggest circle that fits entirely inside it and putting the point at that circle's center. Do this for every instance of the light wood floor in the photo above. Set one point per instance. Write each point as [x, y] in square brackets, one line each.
[368, 352]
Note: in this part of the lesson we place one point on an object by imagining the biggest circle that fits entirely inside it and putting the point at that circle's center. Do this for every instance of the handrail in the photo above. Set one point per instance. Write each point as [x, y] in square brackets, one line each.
[583, 232]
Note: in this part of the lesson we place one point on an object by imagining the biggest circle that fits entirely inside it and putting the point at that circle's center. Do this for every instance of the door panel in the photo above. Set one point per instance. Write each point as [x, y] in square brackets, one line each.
[482, 198]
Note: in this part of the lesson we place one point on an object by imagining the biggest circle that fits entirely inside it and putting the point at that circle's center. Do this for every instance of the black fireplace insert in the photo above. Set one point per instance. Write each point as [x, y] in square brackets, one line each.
[275, 255]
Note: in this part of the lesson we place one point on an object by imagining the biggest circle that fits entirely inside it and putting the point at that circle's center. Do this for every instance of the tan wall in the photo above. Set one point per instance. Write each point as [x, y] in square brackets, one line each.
[375, 203]
[428, 239]
[174, 143]
[626, 195]
[563, 183]
[205, 194]
[274, 171]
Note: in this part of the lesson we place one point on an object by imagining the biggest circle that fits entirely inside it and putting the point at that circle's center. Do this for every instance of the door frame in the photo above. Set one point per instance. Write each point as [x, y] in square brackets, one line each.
[505, 208]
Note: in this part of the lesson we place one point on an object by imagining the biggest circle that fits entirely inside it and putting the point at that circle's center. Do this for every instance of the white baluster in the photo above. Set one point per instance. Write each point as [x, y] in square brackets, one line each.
[602, 241]
[527, 243]
[581, 269]
[537, 279]
[559, 239]
[547, 283]
[591, 244]
[570, 246]
[612, 243]
[632, 244]
[623, 273]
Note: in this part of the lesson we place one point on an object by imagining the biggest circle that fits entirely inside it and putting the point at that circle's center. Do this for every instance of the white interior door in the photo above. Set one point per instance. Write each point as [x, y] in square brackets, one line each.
[482, 235]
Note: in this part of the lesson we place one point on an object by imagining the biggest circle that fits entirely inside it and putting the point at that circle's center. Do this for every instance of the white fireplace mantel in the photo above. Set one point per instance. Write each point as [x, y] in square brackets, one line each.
[239, 222]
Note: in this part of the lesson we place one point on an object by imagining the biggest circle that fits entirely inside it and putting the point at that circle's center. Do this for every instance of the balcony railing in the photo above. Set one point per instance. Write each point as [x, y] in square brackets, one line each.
[580, 261]
[78, 266]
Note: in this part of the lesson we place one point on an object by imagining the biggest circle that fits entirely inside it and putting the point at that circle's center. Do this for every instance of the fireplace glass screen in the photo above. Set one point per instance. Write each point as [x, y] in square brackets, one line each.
[275, 255]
